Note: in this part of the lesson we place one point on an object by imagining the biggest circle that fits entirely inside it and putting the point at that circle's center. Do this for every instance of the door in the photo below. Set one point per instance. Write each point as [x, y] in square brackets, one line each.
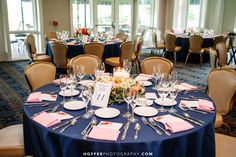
[22, 20]
[113, 16]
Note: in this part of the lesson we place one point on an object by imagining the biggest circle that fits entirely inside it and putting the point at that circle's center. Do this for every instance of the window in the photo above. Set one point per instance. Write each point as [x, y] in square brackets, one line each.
[193, 18]
[81, 13]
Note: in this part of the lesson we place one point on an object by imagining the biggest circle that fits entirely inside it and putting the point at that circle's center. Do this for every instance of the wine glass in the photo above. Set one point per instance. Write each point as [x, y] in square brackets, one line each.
[173, 78]
[128, 97]
[162, 92]
[173, 94]
[99, 69]
[90, 89]
[80, 71]
[86, 96]
[165, 80]
[72, 84]
[70, 71]
[133, 105]
[127, 65]
[156, 72]
[63, 86]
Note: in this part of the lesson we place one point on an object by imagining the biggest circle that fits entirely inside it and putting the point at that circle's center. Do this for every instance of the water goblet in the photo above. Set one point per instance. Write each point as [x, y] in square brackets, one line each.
[156, 72]
[80, 71]
[132, 119]
[162, 92]
[128, 97]
[63, 86]
[86, 96]
[173, 94]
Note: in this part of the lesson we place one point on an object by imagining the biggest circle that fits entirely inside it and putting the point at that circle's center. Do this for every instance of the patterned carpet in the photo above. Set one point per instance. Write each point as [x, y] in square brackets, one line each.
[14, 89]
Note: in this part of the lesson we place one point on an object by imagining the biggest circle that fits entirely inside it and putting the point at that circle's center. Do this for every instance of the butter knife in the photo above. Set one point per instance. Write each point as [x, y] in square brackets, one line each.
[125, 131]
[193, 121]
[67, 122]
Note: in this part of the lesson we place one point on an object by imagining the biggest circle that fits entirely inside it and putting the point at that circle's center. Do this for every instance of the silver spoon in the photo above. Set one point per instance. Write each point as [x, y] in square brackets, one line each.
[94, 122]
[188, 116]
[73, 122]
[137, 127]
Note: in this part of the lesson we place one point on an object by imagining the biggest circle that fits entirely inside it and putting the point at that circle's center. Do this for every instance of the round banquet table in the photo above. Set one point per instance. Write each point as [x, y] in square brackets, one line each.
[44, 142]
[112, 49]
[183, 42]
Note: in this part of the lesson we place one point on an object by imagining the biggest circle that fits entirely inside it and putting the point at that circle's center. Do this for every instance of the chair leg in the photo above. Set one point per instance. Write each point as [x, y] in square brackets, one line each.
[139, 66]
[152, 52]
[175, 57]
[163, 55]
[187, 58]
[200, 59]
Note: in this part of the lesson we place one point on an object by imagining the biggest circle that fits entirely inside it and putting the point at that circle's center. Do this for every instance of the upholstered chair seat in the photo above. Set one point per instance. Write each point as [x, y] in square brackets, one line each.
[114, 61]
[11, 141]
[225, 145]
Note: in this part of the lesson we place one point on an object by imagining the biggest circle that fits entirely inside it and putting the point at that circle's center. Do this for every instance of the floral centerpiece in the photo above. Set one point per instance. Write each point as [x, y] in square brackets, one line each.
[118, 85]
[81, 31]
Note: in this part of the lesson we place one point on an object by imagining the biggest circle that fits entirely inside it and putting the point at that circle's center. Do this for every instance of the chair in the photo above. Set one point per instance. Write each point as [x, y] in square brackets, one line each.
[217, 39]
[32, 51]
[50, 36]
[59, 52]
[39, 73]
[96, 49]
[122, 36]
[137, 50]
[213, 55]
[155, 44]
[12, 142]
[222, 54]
[221, 89]
[225, 145]
[170, 45]
[195, 46]
[148, 63]
[126, 51]
[89, 61]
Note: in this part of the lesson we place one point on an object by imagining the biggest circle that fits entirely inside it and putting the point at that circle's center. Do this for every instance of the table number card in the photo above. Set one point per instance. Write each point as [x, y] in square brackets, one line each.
[101, 94]
[84, 38]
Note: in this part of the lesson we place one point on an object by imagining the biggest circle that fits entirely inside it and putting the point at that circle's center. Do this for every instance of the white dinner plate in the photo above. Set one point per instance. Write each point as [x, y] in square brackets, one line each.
[166, 102]
[107, 112]
[146, 83]
[69, 93]
[143, 102]
[87, 82]
[74, 105]
[145, 111]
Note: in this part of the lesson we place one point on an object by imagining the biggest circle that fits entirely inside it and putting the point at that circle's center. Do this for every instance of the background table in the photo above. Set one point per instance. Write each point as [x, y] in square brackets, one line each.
[43, 142]
[110, 50]
[183, 42]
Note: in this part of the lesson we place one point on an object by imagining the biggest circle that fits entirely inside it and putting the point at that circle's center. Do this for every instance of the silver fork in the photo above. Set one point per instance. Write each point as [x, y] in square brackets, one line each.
[151, 120]
[145, 122]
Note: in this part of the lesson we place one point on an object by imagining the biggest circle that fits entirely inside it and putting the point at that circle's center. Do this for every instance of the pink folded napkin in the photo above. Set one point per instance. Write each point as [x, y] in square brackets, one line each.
[108, 43]
[205, 105]
[185, 86]
[46, 120]
[143, 77]
[101, 133]
[174, 124]
[186, 103]
[57, 81]
[118, 40]
[34, 97]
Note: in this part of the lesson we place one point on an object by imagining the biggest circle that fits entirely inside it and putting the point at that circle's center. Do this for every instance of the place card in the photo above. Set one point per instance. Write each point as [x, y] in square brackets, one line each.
[61, 115]
[101, 94]
[49, 97]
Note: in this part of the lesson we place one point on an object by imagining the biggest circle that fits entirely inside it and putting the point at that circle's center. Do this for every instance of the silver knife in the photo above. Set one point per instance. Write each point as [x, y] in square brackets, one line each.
[125, 131]
[193, 121]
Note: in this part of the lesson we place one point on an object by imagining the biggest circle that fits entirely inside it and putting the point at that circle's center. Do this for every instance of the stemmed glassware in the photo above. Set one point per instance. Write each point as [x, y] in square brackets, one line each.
[162, 92]
[156, 72]
[127, 65]
[128, 96]
[173, 94]
[99, 70]
[173, 78]
[133, 105]
[80, 71]
[63, 86]
[86, 97]
[72, 84]
[91, 110]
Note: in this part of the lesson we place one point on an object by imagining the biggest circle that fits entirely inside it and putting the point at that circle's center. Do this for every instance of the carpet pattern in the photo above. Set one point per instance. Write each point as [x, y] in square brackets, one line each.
[14, 89]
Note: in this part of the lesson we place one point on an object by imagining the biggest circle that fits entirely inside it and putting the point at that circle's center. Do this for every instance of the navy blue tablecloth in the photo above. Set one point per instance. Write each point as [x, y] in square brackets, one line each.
[183, 42]
[110, 50]
[43, 142]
